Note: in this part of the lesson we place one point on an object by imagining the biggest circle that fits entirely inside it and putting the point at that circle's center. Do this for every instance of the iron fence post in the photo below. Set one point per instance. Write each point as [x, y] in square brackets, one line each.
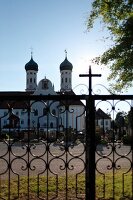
[90, 148]
[132, 144]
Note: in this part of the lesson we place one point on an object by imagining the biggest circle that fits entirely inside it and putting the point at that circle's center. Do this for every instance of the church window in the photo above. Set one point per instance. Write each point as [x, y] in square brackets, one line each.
[30, 80]
[44, 85]
[66, 80]
[22, 121]
[106, 123]
[36, 112]
[51, 125]
[45, 111]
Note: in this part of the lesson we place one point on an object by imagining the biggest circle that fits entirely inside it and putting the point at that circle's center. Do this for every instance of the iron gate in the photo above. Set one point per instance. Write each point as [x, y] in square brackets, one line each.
[58, 161]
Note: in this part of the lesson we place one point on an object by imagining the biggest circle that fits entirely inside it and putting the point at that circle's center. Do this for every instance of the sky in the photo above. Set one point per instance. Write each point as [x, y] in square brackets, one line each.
[48, 28]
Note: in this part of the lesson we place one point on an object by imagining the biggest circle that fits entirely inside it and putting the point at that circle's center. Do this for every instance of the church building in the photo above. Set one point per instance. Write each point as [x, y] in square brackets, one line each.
[40, 117]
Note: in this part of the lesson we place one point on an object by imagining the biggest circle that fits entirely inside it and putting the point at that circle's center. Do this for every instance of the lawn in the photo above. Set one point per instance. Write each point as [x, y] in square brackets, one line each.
[53, 187]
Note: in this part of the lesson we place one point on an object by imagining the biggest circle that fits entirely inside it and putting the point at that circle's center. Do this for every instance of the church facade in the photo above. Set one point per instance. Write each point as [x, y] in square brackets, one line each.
[45, 114]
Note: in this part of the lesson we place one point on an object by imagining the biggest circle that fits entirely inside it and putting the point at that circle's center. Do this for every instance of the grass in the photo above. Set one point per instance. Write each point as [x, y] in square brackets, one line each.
[40, 187]
[122, 187]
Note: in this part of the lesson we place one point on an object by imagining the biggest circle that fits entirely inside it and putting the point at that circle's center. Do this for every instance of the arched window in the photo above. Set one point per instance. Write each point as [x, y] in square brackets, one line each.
[22, 121]
[36, 112]
[51, 125]
[45, 111]
[45, 125]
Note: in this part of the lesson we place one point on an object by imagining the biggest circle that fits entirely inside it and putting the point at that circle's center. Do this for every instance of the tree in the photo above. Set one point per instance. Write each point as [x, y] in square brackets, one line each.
[130, 118]
[117, 16]
[120, 123]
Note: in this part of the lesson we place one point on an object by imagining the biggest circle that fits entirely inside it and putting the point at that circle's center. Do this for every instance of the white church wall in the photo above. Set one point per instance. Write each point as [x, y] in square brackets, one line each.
[75, 118]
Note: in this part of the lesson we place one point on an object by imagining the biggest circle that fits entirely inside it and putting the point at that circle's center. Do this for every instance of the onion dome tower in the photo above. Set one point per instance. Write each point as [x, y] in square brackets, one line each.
[66, 75]
[31, 75]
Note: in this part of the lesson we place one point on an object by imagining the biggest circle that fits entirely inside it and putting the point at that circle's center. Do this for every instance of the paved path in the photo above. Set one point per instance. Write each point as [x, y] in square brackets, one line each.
[55, 159]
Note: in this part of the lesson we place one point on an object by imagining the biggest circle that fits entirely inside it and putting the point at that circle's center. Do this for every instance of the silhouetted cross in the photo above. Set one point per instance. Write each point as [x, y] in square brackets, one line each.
[90, 75]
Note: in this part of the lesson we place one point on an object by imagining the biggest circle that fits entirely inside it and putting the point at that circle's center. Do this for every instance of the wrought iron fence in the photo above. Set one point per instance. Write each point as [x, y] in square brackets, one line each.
[49, 149]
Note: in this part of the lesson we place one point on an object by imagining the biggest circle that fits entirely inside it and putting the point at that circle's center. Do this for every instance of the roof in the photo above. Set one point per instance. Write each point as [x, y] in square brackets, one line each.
[70, 101]
[102, 115]
[21, 104]
[31, 65]
[13, 93]
[66, 65]
[17, 104]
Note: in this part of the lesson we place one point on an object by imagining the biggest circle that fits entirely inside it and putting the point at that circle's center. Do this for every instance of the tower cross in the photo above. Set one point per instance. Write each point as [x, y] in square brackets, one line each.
[31, 52]
[66, 53]
[90, 75]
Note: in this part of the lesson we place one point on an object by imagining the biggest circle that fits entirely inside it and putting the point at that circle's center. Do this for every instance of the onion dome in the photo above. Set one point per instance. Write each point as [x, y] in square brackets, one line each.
[31, 65]
[66, 65]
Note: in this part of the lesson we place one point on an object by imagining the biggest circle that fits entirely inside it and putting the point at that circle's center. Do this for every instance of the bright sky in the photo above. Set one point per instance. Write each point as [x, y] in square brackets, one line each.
[49, 27]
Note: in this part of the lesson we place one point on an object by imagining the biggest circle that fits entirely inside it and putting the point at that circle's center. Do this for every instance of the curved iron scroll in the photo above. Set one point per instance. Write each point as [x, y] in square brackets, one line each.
[42, 153]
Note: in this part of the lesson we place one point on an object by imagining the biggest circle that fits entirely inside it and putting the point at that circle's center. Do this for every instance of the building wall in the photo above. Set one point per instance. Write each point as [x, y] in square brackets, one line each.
[104, 123]
[39, 117]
